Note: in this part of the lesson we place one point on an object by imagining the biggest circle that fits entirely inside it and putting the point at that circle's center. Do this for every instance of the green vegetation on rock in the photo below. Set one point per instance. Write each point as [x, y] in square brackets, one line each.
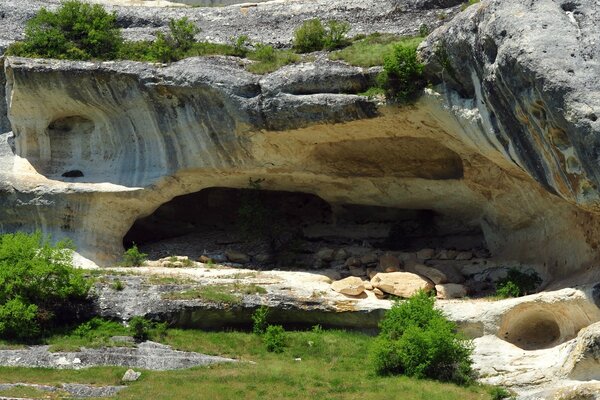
[75, 31]
[133, 257]
[517, 283]
[417, 340]
[371, 50]
[313, 35]
[39, 288]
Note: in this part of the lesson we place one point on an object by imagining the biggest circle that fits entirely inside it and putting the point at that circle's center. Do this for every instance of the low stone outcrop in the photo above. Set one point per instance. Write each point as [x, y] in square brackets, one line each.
[402, 284]
[146, 355]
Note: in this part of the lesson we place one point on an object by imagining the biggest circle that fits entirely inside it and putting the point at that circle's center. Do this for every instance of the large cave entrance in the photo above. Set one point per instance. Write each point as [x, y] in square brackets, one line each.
[288, 228]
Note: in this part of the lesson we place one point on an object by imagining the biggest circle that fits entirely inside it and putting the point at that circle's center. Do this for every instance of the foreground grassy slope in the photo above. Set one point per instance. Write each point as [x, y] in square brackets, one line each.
[333, 365]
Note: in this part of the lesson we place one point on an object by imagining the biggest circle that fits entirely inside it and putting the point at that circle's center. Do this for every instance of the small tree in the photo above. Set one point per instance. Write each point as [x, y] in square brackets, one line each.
[417, 340]
[38, 285]
[403, 73]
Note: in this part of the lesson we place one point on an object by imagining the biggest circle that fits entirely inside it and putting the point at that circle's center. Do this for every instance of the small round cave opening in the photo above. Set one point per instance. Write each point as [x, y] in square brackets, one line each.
[287, 229]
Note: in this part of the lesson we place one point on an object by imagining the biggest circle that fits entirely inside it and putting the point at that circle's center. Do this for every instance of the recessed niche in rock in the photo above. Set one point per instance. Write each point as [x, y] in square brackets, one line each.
[291, 223]
[402, 157]
[533, 326]
[69, 147]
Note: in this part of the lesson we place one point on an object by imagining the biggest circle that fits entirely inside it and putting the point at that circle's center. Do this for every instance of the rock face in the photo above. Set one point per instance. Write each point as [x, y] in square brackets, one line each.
[501, 151]
[584, 361]
[526, 74]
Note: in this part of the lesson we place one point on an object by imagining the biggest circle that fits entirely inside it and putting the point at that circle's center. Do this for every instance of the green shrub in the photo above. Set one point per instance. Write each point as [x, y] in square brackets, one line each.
[403, 73]
[76, 30]
[263, 52]
[499, 393]
[310, 36]
[417, 340]
[259, 319]
[517, 283]
[335, 36]
[314, 36]
[133, 257]
[240, 45]
[38, 285]
[182, 33]
[274, 338]
[140, 328]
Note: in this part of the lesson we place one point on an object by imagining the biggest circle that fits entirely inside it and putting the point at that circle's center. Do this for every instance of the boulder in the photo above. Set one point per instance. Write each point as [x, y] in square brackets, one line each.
[433, 274]
[369, 258]
[425, 254]
[131, 376]
[389, 261]
[402, 284]
[205, 259]
[353, 262]
[237, 256]
[340, 255]
[451, 291]
[352, 286]
[378, 293]
[357, 271]
[463, 256]
[325, 254]
[445, 254]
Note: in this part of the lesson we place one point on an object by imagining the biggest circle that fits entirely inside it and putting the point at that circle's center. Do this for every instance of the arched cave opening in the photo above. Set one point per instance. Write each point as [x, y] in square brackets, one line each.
[288, 228]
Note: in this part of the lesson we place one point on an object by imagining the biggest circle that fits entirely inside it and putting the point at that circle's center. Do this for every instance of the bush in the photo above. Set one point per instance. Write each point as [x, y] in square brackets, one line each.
[417, 340]
[259, 319]
[38, 285]
[310, 36]
[335, 36]
[182, 33]
[133, 257]
[140, 328]
[403, 73]
[314, 36]
[274, 338]
[76, 30]
[517, 283]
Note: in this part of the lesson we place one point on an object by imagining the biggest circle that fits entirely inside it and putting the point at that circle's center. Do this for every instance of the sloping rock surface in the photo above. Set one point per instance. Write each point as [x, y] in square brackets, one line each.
[146, 355]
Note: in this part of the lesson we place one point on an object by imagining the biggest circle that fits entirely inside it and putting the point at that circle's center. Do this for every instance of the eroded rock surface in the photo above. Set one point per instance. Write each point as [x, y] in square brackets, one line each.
[146, 355]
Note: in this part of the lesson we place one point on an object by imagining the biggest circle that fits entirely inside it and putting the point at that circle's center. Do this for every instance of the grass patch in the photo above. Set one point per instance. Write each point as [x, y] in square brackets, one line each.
[332, 366]
[93, 334]
[267, 61]
[373, 92]
[370, 51]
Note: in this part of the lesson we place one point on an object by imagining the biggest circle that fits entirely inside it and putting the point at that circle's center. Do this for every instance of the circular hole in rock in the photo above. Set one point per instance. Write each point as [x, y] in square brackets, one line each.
[531, 330]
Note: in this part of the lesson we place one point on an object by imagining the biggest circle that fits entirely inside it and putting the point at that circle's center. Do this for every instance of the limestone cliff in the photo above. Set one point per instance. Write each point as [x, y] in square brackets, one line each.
[503, 145]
